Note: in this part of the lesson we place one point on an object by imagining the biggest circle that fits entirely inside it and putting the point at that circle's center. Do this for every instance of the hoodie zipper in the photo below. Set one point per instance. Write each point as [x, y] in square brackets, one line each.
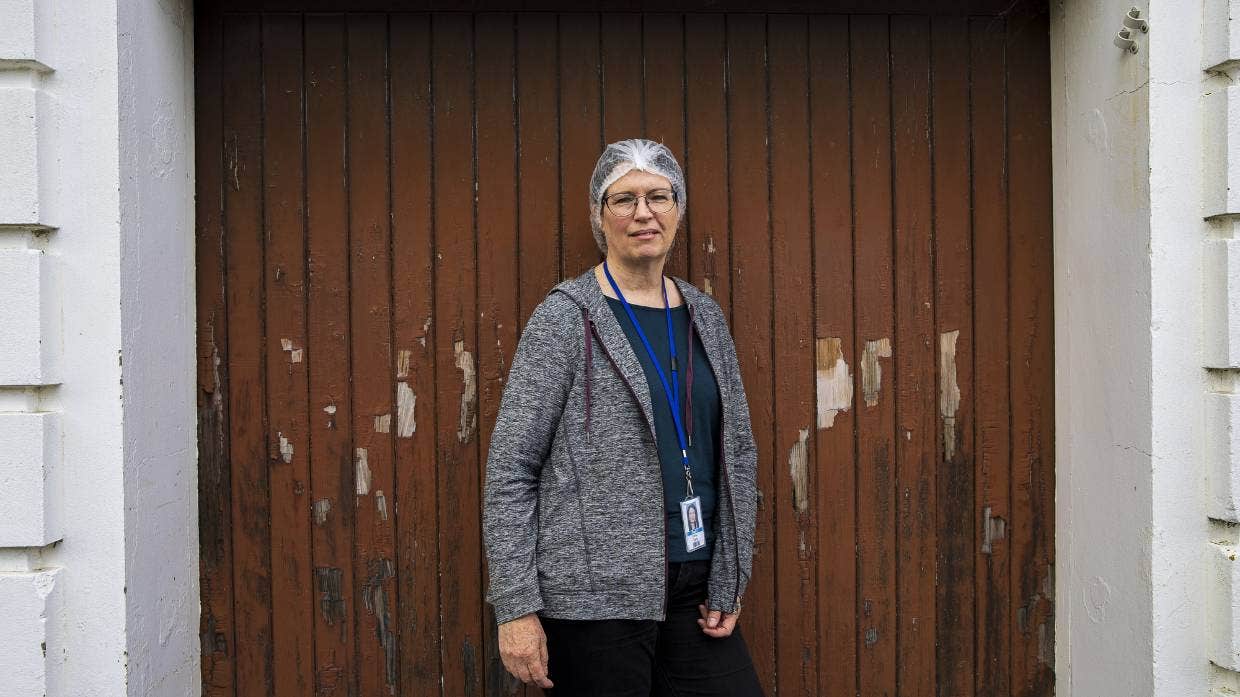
[723, 455]
[662, 492]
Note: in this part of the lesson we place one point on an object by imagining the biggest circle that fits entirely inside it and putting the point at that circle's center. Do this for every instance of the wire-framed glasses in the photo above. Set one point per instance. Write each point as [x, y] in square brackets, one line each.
[624, 203]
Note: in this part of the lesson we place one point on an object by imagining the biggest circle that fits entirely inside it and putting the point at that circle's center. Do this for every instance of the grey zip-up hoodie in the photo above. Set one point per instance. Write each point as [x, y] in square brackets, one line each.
[573, 510]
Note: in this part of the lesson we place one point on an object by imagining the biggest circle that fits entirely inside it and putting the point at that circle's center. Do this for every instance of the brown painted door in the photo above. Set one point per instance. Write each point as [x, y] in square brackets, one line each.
[383, 198]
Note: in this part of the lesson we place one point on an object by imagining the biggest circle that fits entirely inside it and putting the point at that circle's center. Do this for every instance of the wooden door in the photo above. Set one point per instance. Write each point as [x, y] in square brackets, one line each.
[383, 198]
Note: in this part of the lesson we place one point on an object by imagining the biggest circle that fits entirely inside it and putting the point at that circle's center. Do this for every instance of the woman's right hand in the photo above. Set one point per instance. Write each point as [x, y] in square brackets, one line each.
[523, 648]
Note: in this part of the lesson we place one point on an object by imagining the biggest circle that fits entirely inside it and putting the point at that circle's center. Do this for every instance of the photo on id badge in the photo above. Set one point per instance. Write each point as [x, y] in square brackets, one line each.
[691, 518]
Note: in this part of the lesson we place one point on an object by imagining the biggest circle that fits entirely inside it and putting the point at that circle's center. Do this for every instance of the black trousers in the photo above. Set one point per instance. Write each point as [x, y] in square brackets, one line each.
[644, 658]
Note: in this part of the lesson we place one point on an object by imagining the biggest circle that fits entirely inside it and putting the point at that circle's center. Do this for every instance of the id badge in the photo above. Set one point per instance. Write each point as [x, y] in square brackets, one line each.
[691, 518]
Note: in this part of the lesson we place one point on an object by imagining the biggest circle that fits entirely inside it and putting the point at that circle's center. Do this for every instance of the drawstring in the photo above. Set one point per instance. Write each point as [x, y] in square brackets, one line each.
[585, 323]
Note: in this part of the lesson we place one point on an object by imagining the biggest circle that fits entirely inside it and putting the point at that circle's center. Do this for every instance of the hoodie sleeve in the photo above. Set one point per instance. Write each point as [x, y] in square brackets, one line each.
[529, 413]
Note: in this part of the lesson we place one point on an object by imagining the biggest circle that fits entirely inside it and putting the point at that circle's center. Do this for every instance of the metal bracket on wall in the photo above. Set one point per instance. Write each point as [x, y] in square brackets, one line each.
[1132, 20]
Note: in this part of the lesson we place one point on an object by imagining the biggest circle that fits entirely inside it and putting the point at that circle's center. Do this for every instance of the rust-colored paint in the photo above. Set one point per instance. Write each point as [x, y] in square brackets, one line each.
[385, 197]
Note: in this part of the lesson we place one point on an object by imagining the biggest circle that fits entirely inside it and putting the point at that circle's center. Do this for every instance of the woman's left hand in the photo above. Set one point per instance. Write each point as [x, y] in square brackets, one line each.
[717, 624]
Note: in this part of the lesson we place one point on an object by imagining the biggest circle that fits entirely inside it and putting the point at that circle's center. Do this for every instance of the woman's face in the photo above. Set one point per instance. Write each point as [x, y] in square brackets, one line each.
[646, 235]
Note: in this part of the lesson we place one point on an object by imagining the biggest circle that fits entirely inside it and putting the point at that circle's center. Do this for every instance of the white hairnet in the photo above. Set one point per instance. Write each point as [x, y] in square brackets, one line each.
[622, 157]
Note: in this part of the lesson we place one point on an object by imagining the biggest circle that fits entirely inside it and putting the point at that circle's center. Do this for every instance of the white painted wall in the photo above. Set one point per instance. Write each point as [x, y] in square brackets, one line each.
[1180, 526]
[1103, 355]
[98, 576]
[157, 344]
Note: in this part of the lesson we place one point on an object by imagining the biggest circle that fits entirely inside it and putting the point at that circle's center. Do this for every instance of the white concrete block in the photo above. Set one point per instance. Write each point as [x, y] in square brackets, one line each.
[1221, 303]
[30, 343]
[1223, 455]
[19, 158]
[30, 479]
[1221, 155]
[29, 603]
[1221, 32]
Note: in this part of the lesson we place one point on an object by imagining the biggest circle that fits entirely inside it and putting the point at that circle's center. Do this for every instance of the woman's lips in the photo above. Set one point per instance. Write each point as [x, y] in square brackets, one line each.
[646, 234]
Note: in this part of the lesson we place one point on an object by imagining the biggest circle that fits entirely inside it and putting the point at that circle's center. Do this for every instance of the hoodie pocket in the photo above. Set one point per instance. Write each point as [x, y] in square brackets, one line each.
[563, 546]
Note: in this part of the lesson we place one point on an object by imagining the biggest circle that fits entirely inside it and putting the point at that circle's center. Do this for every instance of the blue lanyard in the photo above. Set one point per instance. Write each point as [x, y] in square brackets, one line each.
[672, 392]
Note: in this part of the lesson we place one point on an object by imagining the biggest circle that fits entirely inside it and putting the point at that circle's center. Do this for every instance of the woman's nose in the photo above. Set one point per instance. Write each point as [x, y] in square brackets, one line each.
[642, 212]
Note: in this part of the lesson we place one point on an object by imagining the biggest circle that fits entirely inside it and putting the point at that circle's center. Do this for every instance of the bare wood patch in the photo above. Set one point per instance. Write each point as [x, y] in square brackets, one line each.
[362, 473]
[286, 448]
[708, 284]
[405, 402]
[381, 505]
[319, 509]
[294, 354]
[469, 392]
[994, 528]
[402, 363]
[383, 423]
[331, 601]
[798, 467]
[834, 382]
[375, 598]
[871, 369]
[949, 390]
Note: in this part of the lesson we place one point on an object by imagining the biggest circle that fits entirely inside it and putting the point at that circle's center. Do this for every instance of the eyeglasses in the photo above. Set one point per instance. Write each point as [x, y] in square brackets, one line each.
[624, 203]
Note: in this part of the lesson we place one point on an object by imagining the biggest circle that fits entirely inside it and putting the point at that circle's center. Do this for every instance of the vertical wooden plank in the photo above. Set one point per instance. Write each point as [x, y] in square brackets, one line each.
[414, 423]
[623, 94]
[498, 314]
[538, 169]
[580, 134]
[214, 475]
[1032, 342]
[456, 345]
[953, 271]
[834, 358]
[916, 350]
[251, 511]
[751, 299]
[327, 352]
[990, 306]
[664, 71]
[872, 257]
[792, 258]
[707, 147]
[376, 600]
[285, 332]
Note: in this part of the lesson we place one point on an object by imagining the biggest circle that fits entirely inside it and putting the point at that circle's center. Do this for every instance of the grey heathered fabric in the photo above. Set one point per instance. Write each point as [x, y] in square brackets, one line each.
[573, 506]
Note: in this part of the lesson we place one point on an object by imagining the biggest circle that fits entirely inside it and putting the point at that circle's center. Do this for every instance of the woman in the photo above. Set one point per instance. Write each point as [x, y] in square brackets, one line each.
[623, 416]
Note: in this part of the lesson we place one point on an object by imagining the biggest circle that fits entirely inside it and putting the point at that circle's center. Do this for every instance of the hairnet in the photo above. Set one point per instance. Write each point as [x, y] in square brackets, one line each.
[622, 157]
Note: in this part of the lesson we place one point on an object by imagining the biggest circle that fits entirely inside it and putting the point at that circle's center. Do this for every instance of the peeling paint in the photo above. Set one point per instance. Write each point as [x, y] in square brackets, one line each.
[834, 382]
[320, 509]
[294, 354]
[402, 363]
[426, 330]
[362, 477]
[469, 392]
[381, 505]
[949, 390]
[331, 602]
[405, 402]
[375, 599]
[330, 410]
[871, 637]
[286, 448]
[871, 369]
[383, 423]
[708, 281]
[994, 528]
[799, 470]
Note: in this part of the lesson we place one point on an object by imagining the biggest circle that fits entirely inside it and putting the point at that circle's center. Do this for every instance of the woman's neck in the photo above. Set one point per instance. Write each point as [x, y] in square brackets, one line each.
[647, 278]
[641, 284]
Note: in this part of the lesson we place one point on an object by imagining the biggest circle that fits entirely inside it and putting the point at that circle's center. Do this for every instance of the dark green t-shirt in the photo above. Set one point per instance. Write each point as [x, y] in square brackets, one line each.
[705, 416]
